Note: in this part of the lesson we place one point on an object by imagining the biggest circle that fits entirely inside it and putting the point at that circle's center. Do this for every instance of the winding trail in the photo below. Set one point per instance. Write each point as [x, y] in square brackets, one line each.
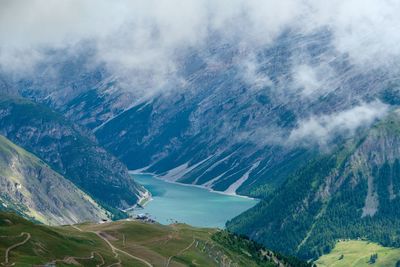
[115, 250]
[180, 252]
[91, 257]
[8, 250]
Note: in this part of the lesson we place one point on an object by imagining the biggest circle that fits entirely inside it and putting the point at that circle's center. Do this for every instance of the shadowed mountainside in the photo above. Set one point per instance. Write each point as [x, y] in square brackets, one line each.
[70, 151]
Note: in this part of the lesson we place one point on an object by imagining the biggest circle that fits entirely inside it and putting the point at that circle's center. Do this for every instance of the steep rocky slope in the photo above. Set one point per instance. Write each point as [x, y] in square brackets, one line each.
[226, 122]
[235, 131]
[352, 192]
[69, 150]
[33, 189]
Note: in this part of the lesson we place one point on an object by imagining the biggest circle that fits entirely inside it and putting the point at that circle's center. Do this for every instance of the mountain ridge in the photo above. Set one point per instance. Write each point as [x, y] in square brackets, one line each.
[30, 187]
[352, 192]
[69, 151]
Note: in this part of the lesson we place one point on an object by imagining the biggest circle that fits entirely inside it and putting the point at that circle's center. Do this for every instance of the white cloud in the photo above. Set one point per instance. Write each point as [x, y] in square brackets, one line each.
[321, 129]
[140, 40]
[314, 80]
[307, 79]
[368, 30]
[249, 70]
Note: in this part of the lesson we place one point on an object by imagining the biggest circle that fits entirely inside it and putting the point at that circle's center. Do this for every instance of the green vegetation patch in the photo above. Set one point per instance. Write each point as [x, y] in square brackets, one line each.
[131, 243]
[359, 254]
[47, 244]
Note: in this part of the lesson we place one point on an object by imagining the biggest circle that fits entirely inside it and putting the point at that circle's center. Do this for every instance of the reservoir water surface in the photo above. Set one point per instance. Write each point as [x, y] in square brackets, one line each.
[196, 206]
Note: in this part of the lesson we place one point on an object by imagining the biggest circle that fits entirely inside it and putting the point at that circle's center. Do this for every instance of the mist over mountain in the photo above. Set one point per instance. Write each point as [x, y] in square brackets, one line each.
[288, 98]
[294, 51]
[259, 98]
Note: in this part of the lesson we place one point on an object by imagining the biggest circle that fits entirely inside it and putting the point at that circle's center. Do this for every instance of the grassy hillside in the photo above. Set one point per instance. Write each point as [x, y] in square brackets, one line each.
[47, 244]
[358, 254]
[32, 188]
[129, 243]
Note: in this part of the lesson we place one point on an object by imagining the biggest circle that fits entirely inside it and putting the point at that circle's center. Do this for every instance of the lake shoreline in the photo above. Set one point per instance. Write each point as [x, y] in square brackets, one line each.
[194, 205]
[139, 172]
[146, 198]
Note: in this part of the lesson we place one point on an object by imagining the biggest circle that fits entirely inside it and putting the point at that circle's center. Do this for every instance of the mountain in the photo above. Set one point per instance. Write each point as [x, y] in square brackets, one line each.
[230, 132]
[260, 121]
[130, 243]
[226, 123]
[70, 151]
[352, 192]
[34, 190]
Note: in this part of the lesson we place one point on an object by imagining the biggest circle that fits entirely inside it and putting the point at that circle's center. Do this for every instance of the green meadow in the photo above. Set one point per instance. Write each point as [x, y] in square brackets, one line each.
[358, 254]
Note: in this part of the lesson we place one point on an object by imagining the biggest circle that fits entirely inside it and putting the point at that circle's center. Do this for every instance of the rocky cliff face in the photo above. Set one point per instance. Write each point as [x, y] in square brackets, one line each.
[33, 189]
[68, 150]
[228, 122]
[235, 132]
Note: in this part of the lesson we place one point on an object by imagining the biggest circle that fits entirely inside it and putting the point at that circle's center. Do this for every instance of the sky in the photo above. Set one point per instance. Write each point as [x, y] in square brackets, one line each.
[144, 37]
[133, 33]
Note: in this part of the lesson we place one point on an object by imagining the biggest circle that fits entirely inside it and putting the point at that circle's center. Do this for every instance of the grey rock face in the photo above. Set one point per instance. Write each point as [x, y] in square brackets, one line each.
[69, 151]
[232, 108]
[33, 189]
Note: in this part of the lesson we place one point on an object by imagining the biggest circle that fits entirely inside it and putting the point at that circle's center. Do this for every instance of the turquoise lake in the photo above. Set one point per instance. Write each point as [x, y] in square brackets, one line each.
[189, 204]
